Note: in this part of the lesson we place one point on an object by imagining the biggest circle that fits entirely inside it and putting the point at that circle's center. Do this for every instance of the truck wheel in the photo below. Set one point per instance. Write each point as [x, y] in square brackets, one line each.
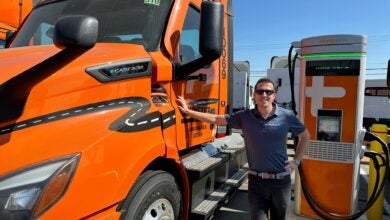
[154, 196]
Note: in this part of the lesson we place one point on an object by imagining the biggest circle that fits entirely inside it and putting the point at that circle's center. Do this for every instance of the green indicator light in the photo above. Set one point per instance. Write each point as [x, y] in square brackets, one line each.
[325, 55]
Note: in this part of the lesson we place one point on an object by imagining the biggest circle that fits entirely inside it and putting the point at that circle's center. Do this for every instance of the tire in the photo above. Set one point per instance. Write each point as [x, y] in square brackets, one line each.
[154, 196]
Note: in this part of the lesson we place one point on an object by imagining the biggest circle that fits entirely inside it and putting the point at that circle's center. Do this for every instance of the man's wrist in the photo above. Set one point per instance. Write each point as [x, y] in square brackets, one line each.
[187, 111]
[297, 162]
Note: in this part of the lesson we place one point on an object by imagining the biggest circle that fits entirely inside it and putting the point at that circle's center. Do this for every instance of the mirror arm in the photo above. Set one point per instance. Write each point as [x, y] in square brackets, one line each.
[182, 72]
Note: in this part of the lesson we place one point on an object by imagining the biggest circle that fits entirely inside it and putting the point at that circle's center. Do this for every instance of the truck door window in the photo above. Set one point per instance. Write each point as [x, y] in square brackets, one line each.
[43, 35]
[189, 39]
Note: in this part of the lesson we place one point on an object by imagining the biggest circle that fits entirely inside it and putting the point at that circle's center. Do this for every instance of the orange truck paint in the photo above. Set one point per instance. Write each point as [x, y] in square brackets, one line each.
[120, 129]
[12, 14]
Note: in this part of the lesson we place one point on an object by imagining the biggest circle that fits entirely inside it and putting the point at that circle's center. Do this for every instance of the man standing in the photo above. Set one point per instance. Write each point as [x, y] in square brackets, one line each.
[265, 131]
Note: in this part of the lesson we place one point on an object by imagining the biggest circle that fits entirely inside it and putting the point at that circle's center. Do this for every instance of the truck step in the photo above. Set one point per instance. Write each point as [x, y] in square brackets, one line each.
[205, 166]
[206, 209]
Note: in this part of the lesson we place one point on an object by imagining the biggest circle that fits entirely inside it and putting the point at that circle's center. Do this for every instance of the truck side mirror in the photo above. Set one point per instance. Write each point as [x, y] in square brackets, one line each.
[210, 39]
[211, 30]
[76, 30]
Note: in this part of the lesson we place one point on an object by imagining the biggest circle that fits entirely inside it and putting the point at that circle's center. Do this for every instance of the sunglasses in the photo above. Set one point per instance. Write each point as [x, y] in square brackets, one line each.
[266, 91]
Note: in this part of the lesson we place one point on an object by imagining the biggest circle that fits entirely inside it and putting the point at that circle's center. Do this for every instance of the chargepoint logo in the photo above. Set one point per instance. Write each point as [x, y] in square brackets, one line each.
[318, 92]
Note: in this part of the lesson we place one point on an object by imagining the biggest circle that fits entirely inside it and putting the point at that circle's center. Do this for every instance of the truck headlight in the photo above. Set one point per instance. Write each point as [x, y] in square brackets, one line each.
[27, 193]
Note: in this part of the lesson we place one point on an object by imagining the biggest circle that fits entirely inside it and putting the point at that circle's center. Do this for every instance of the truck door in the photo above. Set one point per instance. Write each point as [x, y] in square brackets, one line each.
[201, 88]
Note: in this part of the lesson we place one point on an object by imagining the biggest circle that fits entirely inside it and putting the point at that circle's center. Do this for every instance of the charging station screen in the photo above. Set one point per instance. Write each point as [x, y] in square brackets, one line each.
[333, 67]
[329, 125]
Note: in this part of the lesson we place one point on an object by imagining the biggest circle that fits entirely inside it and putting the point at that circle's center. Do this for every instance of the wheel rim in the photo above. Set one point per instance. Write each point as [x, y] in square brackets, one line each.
[160, 209]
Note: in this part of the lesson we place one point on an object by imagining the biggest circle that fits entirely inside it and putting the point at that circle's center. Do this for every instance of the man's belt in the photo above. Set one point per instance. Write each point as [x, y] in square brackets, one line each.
[277, 176]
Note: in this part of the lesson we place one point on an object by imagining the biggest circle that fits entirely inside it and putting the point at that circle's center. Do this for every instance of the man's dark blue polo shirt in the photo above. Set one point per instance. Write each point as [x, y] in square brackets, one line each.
[265, 139]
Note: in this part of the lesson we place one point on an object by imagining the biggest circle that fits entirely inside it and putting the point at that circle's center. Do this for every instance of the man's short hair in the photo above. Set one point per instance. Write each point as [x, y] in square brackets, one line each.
[265, 80]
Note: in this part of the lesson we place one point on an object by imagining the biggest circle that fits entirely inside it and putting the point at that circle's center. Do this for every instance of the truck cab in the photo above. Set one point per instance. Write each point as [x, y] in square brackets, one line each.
[89, 125]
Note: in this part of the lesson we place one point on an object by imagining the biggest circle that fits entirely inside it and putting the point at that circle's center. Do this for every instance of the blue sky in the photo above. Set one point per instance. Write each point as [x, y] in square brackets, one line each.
[265, 28]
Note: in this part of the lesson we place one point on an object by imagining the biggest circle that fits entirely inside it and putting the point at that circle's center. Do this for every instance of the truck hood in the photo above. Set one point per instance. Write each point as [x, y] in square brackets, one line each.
[38, 73]
[50, 104]
[14, 61]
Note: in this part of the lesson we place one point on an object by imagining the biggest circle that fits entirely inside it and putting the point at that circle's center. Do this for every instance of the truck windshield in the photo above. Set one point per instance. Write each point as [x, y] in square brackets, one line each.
[120, 21]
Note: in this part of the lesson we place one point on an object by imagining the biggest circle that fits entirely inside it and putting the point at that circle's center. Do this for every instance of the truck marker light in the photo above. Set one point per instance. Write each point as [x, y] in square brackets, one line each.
[56, 187]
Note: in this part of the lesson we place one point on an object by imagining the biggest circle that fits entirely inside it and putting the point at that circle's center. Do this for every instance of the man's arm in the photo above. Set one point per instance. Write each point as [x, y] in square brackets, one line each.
[205, 117]
[303, 142]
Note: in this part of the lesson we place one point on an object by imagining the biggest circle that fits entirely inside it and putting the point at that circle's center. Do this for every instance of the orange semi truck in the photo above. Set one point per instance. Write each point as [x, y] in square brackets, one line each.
[12, 13]
[89, 126]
